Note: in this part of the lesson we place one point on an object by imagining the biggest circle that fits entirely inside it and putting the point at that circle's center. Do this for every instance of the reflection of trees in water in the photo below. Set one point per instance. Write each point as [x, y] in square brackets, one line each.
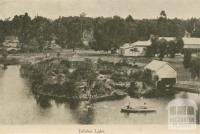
[73, 104]
[84, 114]
[79, 110]
[59, 102]
[43, 101]
[5, 66]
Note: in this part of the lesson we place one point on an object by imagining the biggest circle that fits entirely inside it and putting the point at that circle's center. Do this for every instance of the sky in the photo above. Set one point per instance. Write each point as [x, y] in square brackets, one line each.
[139, 9]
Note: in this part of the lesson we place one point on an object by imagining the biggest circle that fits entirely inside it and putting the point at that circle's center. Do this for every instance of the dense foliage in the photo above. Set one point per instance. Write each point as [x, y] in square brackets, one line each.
[187, 58]
[162, 47]
[105, 33]
[195, 68]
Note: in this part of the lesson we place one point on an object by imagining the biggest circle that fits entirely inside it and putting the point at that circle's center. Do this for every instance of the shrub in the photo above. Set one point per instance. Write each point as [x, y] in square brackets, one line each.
[133, 89]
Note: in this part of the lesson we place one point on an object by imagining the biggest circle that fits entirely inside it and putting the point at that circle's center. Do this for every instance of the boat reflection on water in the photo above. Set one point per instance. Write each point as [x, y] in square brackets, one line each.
[86, 113]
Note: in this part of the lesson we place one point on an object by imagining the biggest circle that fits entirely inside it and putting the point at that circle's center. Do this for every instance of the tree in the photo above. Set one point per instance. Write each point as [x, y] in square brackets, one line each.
[163, 14]
[4, 53]
[107, 33]
[195, 68]
[40, 31]
[172, 48]
[110, 34]
[162, 45]
[70, 89]
[129, 18]
[2, 33]
[85, 71]
[162, 24]
[133, 89]
[187, 58]
[60, 31]
[179, 44]
[25, 30]
[153, 49]
[147, 77]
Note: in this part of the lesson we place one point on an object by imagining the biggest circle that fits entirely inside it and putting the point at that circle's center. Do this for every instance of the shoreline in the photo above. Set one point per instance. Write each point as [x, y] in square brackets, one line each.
[94, 99]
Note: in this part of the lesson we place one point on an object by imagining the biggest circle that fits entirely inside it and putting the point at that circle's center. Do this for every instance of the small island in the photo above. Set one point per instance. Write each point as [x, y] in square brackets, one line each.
[82, 79]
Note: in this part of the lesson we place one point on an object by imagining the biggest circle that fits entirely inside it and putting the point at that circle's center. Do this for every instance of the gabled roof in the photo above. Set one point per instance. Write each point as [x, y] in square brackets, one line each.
[168, 38]
[155, 65]
[142, 43]
[126, 45]
[137, 44]
[191, 41]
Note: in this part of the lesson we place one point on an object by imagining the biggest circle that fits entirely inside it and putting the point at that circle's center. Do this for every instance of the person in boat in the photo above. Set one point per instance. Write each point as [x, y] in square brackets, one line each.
[128, 105]
[144, 105]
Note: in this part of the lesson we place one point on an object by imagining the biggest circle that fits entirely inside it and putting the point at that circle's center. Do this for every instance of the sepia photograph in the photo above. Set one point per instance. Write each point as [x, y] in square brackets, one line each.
[100, 62]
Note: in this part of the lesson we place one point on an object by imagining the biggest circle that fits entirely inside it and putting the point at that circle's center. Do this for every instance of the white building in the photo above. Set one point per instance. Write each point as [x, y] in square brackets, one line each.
[135, 49]
[11, 43]
[190, 43]
[162, 71]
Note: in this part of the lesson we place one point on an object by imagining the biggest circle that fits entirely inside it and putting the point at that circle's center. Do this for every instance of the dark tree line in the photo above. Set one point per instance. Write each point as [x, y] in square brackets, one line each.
[108, 33]
[192, 64]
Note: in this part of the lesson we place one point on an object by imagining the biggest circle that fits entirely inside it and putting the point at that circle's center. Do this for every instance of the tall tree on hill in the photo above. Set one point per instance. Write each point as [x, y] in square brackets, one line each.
[132, 32]
[129, 18]
[163, 14]
[162, 24]
[25, 33]
[2, 34]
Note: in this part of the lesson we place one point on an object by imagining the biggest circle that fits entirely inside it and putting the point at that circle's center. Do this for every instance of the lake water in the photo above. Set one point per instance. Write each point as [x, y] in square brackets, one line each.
[19, 106]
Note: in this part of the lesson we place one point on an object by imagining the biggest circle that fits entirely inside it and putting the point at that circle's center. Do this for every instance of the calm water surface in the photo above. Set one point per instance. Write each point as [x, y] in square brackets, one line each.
[19, 106]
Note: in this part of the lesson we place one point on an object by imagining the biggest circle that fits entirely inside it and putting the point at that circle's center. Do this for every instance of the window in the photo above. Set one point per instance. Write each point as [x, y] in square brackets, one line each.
[190, 110]
[173, 110]
[181, 110]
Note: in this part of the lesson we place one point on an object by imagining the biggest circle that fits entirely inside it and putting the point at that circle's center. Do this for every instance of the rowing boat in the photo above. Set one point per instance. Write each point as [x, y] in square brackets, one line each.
[138, 109]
